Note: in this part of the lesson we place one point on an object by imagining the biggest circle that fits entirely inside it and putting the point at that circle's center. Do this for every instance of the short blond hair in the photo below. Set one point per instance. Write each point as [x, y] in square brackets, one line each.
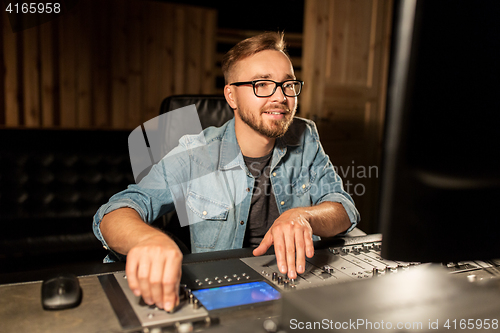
[250, 46]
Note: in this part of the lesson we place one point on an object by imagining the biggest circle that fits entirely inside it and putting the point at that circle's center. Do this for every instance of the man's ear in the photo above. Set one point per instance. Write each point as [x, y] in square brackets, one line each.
[228, 93]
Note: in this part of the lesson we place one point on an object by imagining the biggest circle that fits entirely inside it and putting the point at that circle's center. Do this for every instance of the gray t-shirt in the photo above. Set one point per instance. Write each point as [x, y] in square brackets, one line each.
[263, 208]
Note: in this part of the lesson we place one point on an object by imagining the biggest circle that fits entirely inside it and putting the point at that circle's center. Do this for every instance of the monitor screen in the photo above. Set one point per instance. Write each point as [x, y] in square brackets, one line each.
[441, 164]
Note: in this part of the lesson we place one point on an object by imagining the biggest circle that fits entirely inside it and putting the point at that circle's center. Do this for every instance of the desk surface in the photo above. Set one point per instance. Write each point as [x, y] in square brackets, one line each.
[21, 310]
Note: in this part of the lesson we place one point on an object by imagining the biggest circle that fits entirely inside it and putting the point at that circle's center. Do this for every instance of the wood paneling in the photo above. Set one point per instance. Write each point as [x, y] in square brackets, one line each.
[47, 71]
[31, 75]
[68, 35]
[105, 64]
[11, 74]
[345, 61]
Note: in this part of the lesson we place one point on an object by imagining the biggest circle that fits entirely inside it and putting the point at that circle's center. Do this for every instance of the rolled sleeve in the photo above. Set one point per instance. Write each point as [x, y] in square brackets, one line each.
[96, 227]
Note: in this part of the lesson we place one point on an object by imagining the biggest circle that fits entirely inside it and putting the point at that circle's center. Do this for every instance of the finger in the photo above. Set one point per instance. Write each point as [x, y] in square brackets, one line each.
[171, 280]
[264, 245]
[300, 249]
[156, 281]
[290, 253]
[143, 272]
[131, 272]
[280, 252]
[309, 243]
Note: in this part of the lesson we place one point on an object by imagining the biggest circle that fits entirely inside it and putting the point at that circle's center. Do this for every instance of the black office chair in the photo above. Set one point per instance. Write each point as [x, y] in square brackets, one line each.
[213, 110]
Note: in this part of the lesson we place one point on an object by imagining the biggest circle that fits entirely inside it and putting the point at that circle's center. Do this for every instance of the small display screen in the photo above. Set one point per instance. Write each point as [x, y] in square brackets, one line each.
[236, 295]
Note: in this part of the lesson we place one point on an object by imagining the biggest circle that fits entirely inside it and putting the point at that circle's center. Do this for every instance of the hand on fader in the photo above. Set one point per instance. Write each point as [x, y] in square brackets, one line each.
[291, 235]
[154, 271]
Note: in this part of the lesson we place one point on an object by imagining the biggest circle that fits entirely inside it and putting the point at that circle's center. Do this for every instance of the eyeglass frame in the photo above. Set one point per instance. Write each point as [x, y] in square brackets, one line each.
[276, 85]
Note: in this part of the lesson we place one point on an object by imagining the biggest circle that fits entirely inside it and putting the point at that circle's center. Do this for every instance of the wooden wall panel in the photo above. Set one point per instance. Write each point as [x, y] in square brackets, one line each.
[12, 107]
[208, 52]
[48, 74]
[31, 75]
[152, 62]
[350, 43]
[84, 70]
[167, 51]
[68, 34]
[134, 98]
[316, 39]
[346, 48]
[118, 67]
[193, 51]
[100, 42]
[180, 40]
[105, 64]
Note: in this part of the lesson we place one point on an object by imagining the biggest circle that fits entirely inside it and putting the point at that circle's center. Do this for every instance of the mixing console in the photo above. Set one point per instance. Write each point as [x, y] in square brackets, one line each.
[252, 280]
[189, 308]
[333, 265]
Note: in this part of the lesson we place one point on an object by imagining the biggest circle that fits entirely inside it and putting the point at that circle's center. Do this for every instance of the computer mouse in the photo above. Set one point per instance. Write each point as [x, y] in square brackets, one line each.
[61, 292]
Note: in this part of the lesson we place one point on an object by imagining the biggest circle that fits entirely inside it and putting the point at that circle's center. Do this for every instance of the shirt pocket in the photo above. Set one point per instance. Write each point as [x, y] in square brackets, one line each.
[303, 183]
[208, 217]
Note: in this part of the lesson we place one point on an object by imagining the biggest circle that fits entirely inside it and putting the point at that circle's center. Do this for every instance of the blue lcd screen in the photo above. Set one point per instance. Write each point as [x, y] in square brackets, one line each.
[236, 295]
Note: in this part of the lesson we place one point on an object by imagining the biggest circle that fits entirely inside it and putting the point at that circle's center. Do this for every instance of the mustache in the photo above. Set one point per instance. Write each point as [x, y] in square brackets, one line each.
[276, 107]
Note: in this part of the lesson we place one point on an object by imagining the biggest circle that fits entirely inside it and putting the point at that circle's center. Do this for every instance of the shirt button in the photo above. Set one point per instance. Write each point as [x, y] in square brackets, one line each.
[282, 203]
[204, 212]
[274, 174]
[248, 189]
[303, 185]
[241, 222]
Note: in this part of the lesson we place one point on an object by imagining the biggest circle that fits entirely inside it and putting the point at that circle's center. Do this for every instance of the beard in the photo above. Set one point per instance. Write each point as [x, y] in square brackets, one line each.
[271, 128]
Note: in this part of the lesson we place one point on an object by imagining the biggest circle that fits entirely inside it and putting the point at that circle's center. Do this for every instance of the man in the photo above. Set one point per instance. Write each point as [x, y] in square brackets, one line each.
[264, 180]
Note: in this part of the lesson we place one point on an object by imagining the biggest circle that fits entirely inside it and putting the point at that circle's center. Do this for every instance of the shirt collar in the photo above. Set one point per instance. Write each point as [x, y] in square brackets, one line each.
[230, 156]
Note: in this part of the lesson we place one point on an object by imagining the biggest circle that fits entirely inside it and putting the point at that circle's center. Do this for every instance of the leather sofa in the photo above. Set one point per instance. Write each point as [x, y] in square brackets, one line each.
[51, 184]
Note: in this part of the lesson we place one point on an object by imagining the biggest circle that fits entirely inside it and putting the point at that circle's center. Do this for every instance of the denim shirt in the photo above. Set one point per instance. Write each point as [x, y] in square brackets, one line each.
[206, 181]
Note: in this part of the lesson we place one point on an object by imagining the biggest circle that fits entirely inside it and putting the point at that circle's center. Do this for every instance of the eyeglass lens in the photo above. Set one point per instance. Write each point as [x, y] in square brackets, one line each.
[267, 88]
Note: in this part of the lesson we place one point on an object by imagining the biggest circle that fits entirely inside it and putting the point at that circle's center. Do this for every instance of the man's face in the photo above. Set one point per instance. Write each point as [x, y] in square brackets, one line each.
[270, 116]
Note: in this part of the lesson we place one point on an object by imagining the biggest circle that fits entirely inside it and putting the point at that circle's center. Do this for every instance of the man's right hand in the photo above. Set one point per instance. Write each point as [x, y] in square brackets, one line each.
[154, 271]
[153, 259]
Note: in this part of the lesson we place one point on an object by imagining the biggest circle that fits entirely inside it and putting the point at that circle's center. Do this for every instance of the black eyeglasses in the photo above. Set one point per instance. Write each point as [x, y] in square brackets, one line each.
[266, 88]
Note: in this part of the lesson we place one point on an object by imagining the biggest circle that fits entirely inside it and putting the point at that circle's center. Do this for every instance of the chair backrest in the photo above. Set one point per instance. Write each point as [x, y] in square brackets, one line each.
[213, 110]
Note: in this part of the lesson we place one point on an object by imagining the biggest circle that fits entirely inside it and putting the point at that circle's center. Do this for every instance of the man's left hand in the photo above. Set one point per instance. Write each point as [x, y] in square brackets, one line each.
[291, 234]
